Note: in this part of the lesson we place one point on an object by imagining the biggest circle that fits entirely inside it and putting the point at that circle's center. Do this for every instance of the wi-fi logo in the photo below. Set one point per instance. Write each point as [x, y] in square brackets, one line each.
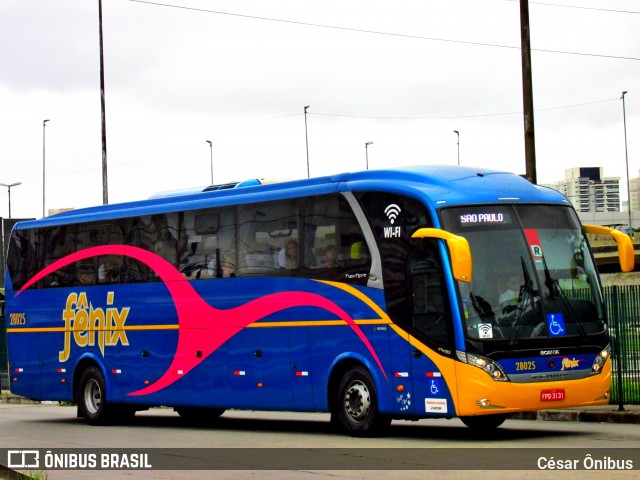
[485, 330]
[392, 212]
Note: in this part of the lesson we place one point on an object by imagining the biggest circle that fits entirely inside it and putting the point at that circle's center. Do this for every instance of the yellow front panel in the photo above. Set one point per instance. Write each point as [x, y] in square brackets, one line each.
[505, 397]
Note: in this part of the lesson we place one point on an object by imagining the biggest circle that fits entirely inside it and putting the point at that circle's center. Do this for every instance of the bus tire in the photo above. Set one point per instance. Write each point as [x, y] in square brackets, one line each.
[199, 414]
[356, 410]
[92, 397]
[484, 423]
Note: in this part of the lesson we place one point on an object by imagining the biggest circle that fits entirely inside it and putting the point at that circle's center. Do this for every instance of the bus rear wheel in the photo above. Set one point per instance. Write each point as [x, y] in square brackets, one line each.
[92, 397]
[356, 410]
[484, 423]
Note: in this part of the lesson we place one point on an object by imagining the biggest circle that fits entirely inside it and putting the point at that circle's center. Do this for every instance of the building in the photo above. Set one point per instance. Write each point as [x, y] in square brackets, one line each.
[55, 211]
[589, 190]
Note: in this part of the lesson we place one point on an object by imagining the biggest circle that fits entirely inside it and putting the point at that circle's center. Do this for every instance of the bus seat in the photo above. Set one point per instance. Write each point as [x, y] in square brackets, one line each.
[356, 250]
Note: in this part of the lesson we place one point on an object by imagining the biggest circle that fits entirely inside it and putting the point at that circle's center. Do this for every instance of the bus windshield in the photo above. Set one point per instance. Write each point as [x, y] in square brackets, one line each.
[533, 275]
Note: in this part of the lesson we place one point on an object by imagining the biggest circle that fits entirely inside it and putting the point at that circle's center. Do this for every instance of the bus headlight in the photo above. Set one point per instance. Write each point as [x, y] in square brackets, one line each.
[600, 360]
[489, 366]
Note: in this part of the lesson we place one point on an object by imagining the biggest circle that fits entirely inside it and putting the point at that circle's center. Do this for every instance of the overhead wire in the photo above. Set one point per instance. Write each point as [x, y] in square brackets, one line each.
[440, 117]
[377, 32]
[580, 7]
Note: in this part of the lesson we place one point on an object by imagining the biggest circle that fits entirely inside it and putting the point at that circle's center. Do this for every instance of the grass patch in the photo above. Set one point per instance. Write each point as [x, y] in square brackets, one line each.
[630, 390]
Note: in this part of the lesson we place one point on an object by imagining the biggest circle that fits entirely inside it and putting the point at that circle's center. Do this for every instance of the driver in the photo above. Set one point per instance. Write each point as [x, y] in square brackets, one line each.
[510, 287]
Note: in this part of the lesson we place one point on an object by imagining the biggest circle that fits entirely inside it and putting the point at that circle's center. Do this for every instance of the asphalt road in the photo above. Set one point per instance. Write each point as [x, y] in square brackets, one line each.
[305, 446]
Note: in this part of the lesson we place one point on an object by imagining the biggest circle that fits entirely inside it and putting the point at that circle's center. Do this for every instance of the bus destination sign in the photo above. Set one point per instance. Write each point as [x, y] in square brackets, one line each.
[483, 218]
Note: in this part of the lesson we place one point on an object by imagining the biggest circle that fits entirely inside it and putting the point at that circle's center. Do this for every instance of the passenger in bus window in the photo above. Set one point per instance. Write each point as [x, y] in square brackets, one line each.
[86, 273]
[109, 271]
[228, 266]
[288, 256]
[330, 257]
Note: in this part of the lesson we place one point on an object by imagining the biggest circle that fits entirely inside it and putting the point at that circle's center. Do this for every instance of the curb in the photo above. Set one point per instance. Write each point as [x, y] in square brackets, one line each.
[606, 416]
[7, 397]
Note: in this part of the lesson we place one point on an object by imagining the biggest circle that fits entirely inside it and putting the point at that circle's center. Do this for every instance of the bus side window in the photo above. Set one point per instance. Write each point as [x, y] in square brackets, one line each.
[334, 246]
[268, 239]
[210, 245]
[106, 268]
[54, 244]
[110, 267]
[227, 243]
[21, 261]
[165, 243]
[134, 271]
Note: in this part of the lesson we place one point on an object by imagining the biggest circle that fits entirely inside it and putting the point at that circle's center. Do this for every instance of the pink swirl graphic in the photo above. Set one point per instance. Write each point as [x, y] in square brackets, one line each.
[196, 317]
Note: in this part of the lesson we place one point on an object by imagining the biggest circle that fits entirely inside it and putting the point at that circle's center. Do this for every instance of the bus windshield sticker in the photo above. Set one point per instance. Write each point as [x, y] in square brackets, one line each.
[555, 325]
[534, 243]
[485, 330]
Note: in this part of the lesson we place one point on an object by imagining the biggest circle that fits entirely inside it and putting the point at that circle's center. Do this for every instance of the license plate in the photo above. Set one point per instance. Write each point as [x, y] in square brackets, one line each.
[552, 395]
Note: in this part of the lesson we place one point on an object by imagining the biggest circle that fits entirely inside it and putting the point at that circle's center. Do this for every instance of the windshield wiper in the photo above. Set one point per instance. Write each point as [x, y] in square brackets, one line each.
[482, 308]
[525, 296]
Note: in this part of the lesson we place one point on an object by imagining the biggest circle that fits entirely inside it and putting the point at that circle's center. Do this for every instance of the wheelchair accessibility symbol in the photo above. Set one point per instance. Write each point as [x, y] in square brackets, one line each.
[434, 388]
[555, 324]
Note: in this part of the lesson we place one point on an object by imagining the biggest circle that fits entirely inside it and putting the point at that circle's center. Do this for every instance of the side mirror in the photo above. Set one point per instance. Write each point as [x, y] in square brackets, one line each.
[625, 245]
[459, 251]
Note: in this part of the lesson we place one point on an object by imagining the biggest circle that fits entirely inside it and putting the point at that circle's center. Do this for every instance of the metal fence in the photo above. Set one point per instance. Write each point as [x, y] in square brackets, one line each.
[623, 304]
[4, 370]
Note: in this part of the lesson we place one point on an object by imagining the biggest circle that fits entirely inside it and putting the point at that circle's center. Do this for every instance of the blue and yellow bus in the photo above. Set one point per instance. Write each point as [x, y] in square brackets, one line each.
[421, 292]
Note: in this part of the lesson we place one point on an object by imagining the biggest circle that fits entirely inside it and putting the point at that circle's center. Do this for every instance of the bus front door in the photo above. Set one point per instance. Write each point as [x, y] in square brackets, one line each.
[431, 323]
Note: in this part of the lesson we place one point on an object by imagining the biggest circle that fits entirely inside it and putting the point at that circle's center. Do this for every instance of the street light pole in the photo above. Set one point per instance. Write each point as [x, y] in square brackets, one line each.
[9, 185]
[105, 186]
[458, 134]
[306, 139]
[366, 152]
[44, 126]
[211, 152]
[626, 154]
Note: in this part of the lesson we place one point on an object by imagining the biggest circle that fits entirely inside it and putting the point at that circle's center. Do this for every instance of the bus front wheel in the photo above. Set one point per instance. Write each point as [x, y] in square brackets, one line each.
[356, 410]
[92, 397]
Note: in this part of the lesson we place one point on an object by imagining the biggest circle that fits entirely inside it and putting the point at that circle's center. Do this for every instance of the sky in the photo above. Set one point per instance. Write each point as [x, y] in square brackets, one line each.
[404, 75]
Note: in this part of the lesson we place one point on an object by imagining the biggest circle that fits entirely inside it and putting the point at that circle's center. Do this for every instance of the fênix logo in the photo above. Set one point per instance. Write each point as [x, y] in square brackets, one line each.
[570, 363]
[87, 324]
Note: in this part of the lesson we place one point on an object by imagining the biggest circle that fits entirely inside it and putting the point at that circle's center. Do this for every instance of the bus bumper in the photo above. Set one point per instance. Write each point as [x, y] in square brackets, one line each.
[479, 394]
